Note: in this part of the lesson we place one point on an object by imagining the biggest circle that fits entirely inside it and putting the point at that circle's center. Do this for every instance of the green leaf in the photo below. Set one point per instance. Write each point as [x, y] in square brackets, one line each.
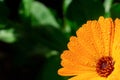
[50, 70]
[107, 6]
[7, 36]
[25, 8]
[50, 37]
[2, 26]
[115, 11]
[80, 11]
[41, 15]
[1, 0]
[66, 4]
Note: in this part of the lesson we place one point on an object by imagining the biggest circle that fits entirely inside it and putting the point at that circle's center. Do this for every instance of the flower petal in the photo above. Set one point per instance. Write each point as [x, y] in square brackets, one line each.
[116, 43]
[70, 68]
[86, 41]
[67, 72]
[107, 27]
[97, 37]
[115, 74]
[79, 53]
[98, 78]
[87, 76]
[103, 28]
[72, 71]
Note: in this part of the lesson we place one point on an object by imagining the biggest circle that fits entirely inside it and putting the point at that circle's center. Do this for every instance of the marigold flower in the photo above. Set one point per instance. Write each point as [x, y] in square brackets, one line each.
[94, 53]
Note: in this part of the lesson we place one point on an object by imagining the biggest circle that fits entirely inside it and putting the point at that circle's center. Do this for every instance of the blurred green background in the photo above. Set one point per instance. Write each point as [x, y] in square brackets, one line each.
[33, 34]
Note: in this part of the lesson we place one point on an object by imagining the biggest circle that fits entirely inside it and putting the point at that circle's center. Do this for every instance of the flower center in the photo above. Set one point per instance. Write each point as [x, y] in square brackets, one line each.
[105, 66]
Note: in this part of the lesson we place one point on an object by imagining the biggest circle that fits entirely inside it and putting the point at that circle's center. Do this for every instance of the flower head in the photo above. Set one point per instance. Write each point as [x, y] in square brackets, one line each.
[93, 54]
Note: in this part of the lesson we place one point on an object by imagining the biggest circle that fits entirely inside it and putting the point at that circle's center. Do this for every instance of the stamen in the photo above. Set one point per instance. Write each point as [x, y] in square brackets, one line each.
[105, 66]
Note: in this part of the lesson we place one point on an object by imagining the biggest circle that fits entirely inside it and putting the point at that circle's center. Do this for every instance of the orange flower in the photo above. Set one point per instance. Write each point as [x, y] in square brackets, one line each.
[94, 53]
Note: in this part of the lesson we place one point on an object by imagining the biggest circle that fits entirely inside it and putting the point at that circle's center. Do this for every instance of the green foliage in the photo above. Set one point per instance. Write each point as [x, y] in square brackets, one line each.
[7, 35]
[38, 31]
[41, 15]
[38, 13]
[51, 71]
[115, 10]
[66, 4]
[80, 11]
[26, 7]
[107, 6]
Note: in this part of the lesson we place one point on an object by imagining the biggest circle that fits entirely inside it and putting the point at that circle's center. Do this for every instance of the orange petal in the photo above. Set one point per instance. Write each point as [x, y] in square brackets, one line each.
[85, 39]
[69, 68]
[72, 71]
[98, 78]
[79, 53]
[106, 26]
[116, 43]
[85, 76]
[67, 72]
[70, 65]
[97, 37]
[115, 74]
